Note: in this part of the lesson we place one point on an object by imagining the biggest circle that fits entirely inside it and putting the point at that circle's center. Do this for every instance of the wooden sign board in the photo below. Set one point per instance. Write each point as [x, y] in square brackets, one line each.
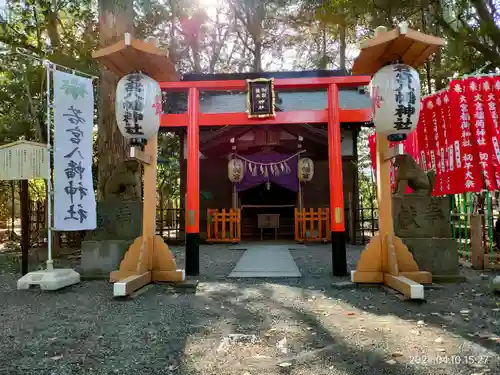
[260, 98]
[23, 160]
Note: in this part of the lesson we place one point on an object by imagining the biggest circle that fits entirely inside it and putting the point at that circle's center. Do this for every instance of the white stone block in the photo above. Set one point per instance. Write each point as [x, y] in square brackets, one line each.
[49, 280]
[496, 284]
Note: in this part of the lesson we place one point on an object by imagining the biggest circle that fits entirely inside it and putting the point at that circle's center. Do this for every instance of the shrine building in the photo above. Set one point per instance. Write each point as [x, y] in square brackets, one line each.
[270, 157]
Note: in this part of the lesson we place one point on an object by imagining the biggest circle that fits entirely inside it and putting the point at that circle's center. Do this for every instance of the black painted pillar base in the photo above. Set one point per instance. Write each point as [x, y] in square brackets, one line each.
[192, 254]
[339, 256]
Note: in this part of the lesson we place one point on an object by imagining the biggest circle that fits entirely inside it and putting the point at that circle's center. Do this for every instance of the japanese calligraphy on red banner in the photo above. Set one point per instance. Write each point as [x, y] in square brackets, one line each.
[422, 141]
[481, 133]
[443, 168]
[458, 136]
[433, 113]
[468, 171]
[427, 128]
[490, 87]
[410, 146]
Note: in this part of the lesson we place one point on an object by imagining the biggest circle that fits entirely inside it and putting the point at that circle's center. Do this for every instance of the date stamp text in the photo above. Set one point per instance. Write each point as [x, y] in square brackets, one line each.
[450, 360]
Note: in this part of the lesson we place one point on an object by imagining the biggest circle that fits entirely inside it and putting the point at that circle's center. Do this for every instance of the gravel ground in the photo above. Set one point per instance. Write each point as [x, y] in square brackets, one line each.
[248, 326]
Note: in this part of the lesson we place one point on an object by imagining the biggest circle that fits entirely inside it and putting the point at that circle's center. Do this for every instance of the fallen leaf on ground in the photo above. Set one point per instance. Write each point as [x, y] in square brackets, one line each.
[282, 345]
[477, 365]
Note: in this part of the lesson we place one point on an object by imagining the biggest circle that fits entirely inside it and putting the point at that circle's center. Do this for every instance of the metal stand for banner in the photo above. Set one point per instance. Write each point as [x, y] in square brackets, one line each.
[50, 278]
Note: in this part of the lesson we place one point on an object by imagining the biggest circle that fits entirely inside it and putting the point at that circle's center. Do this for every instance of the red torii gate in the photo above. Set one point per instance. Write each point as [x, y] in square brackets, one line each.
[332, 115]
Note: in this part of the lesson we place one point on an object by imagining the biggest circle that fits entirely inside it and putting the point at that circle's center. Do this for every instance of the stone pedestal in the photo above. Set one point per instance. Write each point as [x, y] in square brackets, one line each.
[436, 255]
[99, 258]
[119, 222]
[496, 284]
[423, 223]
[421, 217]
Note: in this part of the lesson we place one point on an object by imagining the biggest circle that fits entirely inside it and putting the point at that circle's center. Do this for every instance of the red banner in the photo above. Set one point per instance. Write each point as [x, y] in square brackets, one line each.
[373, 156]
[458, 135]
[468, 171]
[496, 91]
[410, 146]
[421, 141]
[481, 131]
[489, 97]
[448, 141]
[433, 109]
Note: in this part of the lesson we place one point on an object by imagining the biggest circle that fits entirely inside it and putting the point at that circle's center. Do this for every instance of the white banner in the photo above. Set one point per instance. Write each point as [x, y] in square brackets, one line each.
[74, 197]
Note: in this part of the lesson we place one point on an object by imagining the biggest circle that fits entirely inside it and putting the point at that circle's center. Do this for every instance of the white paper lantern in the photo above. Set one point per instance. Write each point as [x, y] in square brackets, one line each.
[395, 94]
[235, 170]
[138, 107]
[305, 170]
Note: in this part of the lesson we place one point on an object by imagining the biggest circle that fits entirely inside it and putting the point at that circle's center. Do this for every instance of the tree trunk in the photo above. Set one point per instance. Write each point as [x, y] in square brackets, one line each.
[257, 63]
[343, 45]
[116, 17]
[438, 74]
[324, 58]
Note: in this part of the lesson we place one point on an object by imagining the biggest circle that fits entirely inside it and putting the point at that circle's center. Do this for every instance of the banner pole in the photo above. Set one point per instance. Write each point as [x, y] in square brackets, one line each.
[50, 262]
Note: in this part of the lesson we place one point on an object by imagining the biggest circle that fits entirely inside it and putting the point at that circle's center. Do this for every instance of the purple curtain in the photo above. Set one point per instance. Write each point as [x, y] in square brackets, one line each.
[287, 179]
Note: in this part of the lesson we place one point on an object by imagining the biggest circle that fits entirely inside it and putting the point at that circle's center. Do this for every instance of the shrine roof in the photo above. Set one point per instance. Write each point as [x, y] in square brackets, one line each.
[254, 75]
[287, 100]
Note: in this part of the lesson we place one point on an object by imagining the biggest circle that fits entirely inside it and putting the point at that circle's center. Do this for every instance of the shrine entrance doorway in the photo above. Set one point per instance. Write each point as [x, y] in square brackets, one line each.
[267, 199]
[332, 115]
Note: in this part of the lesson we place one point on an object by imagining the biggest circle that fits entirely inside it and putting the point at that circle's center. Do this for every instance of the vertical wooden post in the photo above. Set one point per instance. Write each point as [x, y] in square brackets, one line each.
[149, 199]
[193, 187]
[354, 198]
[384, 196]
[182, 187]
[476, 242]
[301, 203]
[235, 197]
[339, 257]
[25, 224]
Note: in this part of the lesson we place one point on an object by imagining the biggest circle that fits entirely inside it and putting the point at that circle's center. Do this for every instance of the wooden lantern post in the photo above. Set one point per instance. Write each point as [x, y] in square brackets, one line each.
[148, 259]
[386, 259]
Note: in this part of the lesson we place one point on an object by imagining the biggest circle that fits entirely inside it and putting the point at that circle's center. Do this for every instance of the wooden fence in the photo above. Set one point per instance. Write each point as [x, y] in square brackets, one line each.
[474, 227]
[223, 225]
[312, 225]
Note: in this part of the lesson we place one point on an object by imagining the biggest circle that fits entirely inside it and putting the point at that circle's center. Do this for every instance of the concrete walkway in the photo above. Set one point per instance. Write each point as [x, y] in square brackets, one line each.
[265, 260]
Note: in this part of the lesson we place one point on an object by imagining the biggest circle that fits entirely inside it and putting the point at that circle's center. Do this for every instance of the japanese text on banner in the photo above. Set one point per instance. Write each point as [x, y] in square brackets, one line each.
[428, 134]
[488, 88]
[447, 151]
[74, 198]
[421, 140]
[480, 131]
[468, 171]
[433, 105]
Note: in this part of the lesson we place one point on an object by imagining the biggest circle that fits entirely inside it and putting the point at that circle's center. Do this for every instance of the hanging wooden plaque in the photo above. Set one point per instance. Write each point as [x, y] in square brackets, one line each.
[260, 98]
[23, 160]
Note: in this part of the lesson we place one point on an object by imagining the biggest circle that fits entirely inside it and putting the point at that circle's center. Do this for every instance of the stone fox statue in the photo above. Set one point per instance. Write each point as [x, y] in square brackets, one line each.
[408, 173]
[124, 183]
